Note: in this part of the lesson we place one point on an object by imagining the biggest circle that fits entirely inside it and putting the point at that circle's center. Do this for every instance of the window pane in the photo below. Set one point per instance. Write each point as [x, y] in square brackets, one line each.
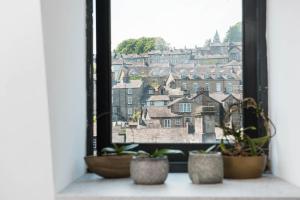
[175, 64]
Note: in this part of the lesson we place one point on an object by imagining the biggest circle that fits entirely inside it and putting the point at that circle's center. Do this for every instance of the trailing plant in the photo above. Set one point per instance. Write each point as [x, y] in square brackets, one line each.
[238, 141]
[119, 150]
[158, 153]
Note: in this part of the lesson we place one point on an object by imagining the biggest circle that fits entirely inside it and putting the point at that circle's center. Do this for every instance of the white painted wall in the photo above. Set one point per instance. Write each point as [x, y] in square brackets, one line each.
[284, 71]
[64, 37]
[25, 156]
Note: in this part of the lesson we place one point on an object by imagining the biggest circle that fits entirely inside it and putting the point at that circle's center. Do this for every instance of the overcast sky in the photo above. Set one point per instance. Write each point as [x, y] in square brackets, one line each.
[180, 22]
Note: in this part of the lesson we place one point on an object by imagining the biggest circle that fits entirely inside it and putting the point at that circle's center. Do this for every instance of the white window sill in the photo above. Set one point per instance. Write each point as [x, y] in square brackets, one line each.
[179, 187]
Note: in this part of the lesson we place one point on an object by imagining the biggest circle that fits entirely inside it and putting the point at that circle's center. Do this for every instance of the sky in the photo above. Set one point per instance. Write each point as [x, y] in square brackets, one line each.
[182, 23]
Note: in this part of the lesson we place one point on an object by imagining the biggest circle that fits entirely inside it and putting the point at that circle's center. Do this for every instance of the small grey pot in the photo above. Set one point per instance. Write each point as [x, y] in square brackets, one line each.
[149, 171]
[205, 168]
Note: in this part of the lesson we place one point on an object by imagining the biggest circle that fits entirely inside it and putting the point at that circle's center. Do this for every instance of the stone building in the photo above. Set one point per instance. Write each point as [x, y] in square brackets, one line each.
[126, 99]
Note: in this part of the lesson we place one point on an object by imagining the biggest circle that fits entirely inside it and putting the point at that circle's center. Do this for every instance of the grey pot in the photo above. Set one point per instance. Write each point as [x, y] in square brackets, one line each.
[205, 168]
[149, 171]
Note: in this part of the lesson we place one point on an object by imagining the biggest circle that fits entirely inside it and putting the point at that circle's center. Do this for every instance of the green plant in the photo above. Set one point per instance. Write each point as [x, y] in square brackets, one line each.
[158, 153]
[209, 149]
[119, 150]
[237, 141]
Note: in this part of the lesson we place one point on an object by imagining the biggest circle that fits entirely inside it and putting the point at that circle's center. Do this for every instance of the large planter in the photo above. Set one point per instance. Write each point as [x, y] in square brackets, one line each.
[110, 166]
[149, 171]
[244, 167]
[205, 168]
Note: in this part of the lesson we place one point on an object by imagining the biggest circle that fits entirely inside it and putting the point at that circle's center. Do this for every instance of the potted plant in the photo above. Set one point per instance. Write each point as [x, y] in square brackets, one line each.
[114, 161]
[205, 166]
[244, 156]
[151, 169]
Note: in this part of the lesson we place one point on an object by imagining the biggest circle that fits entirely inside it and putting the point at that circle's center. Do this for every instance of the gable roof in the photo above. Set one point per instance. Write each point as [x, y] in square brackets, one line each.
[160, 112]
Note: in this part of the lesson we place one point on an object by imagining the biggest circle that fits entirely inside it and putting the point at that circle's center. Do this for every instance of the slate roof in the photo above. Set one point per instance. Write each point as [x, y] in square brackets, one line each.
[160, 112]
[131, 84]
[159, 98]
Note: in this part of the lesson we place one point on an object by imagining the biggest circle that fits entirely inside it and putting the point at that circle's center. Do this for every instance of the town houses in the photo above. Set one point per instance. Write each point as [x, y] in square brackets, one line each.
[176, 95]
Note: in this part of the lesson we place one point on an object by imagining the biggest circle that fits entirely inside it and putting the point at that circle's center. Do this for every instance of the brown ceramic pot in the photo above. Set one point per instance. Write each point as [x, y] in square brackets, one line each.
[244, 167]
[109, 166]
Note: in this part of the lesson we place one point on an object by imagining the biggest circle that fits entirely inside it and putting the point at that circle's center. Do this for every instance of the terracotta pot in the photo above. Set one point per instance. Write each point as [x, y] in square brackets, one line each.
[244, 167]
[109, 166]
[149, 171]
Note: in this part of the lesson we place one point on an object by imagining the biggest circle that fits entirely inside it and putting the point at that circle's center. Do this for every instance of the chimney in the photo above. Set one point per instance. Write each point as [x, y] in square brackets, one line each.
[208, 124]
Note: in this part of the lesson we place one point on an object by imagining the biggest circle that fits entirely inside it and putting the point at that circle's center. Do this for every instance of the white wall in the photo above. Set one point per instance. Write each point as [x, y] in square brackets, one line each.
[64, 37]
[25, 156]
[284, 79]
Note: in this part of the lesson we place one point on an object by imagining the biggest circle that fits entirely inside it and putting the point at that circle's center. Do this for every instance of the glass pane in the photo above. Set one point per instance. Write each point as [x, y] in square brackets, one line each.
[176, 66]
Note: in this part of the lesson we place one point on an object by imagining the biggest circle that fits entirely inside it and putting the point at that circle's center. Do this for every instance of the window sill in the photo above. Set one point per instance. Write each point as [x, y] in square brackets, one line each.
[178, 186]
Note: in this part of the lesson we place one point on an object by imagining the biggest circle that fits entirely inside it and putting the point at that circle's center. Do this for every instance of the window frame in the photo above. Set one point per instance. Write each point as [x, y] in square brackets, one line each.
[255, 76]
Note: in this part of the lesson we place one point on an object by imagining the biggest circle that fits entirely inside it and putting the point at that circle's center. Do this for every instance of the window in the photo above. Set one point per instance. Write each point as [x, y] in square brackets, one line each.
[129, 111]
[251, 41]
[129, 100]
[196, 87]
[178, 122]
[150, 91]
[129, 91]
[229, 88]
[185, 107]
[167, 123]
[184, 86]
[218, 87]
[207, 87]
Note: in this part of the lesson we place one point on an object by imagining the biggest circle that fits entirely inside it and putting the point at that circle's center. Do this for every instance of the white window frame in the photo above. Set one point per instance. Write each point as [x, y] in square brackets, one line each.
[229, 88]
[151, 91]
[185, 107]
[129, 111]
[218, 87]
[167, 123]
[207, 86]
[129, 100]
[178, 121]
[129, 91]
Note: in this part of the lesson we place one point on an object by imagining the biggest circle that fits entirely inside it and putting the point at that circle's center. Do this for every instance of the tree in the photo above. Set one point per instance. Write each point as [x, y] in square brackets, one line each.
[141, 45]
[207, 43]
[234, 33]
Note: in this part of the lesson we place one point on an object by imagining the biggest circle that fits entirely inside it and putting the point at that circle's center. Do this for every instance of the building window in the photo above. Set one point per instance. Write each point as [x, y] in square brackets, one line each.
[229, 88]
[249, 19]
[218, 87]
[185, 107]
[167, 123]
[196, 87]
[129, 91]
[152, 103]
[151, 91]
[114, 110]
[129, 111]
[184, 86]
[178, 122]
[129, 100]
[207, 87]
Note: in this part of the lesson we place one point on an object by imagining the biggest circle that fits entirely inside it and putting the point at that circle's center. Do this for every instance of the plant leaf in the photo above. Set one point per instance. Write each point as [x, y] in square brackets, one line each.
[129, 147]
[108, 150]
[128, 153]
[261, 141]
[163, 152]
[209, 149]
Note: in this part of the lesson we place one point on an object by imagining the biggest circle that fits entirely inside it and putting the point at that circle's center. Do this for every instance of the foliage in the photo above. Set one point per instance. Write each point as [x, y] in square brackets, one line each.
[135, 77]
[141, 45]
[120, 150]
[209, 149]
[238, 143]
[136, 116]
[158, 153]
[234, 34]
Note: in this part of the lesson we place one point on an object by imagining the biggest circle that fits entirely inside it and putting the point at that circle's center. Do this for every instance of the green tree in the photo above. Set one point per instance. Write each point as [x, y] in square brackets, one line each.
[234, 33]
[141, 45]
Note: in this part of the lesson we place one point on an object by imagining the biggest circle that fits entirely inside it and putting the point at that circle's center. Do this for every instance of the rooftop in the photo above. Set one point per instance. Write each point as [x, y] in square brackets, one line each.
[132, 84]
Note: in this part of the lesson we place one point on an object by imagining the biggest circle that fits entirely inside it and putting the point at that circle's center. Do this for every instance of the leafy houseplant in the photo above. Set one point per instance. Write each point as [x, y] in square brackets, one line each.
[205, 167]
[151, 168]
[114, 161]
[244, 156]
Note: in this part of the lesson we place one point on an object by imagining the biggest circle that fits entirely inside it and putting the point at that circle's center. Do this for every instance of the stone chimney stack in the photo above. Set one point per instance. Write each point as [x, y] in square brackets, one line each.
[208, 124]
